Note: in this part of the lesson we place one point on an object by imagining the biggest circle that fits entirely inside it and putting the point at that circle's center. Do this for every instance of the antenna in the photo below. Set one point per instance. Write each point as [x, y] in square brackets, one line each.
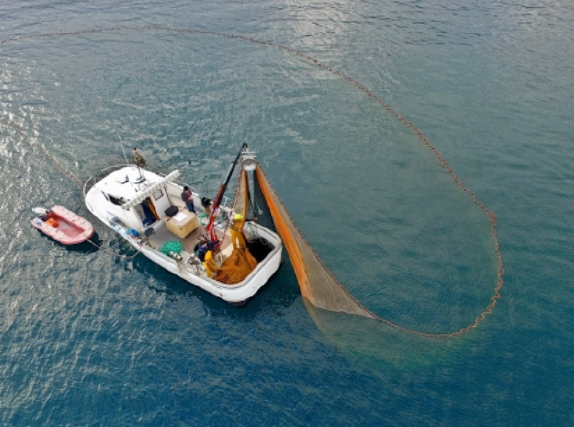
[124, 151]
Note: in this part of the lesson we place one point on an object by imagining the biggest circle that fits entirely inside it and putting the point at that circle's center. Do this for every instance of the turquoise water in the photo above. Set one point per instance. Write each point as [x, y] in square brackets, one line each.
[88, 339]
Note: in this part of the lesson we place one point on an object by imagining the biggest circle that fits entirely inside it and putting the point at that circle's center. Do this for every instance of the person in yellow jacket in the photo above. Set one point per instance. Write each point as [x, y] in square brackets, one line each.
[236, 237]
[208, 264]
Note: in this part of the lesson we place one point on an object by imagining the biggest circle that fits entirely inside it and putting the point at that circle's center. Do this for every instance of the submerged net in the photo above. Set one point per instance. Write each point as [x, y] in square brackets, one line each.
[323, 293]
[317, 284]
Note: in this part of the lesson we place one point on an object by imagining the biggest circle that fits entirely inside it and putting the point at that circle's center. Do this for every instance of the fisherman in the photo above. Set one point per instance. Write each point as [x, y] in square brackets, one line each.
[210, 267]
[204, 246]
[236, 230]
[138, 158]
[49, 219]
[206, 203]
[187, 197]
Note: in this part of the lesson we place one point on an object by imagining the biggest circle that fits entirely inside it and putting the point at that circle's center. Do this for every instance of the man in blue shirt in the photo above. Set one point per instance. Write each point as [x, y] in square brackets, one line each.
[204, 246]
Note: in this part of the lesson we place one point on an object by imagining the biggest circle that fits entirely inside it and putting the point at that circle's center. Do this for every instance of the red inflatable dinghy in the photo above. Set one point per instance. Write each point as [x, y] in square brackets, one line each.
[63, 225]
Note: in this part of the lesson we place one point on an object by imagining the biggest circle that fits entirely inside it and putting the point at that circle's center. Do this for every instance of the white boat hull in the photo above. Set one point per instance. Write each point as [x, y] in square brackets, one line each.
[236, 294]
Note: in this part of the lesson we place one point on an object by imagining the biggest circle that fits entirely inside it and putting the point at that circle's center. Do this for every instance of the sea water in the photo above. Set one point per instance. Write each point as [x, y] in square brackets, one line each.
[88, 338]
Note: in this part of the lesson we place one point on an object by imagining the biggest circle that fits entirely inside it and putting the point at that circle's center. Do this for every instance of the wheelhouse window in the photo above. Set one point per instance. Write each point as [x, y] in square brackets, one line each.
[116, 200]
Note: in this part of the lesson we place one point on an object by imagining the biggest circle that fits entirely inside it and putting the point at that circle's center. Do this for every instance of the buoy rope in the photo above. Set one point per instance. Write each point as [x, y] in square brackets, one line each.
[121, 256]
[44, 153]
[67, 173]
[438, 156]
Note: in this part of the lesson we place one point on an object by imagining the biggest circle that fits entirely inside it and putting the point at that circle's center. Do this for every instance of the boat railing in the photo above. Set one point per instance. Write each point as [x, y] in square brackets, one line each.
[94, 177]
[260, 265]
[225, 204]
[180, 185]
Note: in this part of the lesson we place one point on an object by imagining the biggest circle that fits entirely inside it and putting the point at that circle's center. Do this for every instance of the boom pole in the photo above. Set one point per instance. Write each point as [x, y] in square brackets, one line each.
[221, 192]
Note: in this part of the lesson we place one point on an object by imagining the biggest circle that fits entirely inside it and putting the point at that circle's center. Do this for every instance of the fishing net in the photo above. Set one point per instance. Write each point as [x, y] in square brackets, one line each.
[317, 284]
[171, 247]
[240, 263]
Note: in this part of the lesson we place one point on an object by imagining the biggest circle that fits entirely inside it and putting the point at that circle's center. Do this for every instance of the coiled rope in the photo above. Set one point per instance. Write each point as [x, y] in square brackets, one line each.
[67, 173]
[440, 159]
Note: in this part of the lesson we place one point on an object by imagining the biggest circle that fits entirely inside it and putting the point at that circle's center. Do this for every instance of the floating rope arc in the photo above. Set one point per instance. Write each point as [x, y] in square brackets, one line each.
[68, 174]
[438, 156]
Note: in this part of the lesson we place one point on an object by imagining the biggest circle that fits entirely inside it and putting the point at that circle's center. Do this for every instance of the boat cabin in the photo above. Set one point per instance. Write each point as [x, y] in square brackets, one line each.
[140, 198]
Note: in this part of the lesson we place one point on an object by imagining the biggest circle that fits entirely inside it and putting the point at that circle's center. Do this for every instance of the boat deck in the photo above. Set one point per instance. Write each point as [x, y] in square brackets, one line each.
[162, 235]
[69, 229]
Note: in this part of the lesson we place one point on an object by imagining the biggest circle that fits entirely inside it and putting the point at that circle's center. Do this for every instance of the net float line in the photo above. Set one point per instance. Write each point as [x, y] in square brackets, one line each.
[364, 311]
[438, 156]
[51, 159]
[43, 152]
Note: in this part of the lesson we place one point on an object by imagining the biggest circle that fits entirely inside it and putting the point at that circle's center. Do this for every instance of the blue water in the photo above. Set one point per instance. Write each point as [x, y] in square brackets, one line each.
[87, 339]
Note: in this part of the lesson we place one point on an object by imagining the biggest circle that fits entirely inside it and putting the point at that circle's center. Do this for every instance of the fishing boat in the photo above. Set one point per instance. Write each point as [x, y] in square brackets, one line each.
[216, 246]
[63, 225]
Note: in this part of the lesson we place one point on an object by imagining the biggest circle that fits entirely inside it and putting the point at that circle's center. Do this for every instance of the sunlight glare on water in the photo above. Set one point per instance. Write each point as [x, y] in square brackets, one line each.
[89, 339]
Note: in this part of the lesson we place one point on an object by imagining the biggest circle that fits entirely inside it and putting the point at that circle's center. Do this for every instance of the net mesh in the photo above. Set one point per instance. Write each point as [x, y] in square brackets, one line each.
[317, 284]
[240, 263]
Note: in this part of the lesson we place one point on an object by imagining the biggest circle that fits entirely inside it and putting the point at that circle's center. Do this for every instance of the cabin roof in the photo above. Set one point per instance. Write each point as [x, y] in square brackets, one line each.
[133, 185]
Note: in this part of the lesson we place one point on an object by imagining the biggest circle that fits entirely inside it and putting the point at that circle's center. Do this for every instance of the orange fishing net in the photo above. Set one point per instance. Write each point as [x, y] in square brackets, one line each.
[240, 263]
[316, 282]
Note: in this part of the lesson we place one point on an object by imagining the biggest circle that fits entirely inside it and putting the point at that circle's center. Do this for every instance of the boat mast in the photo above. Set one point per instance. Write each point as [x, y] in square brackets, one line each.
[222, 189]
[123, 150]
